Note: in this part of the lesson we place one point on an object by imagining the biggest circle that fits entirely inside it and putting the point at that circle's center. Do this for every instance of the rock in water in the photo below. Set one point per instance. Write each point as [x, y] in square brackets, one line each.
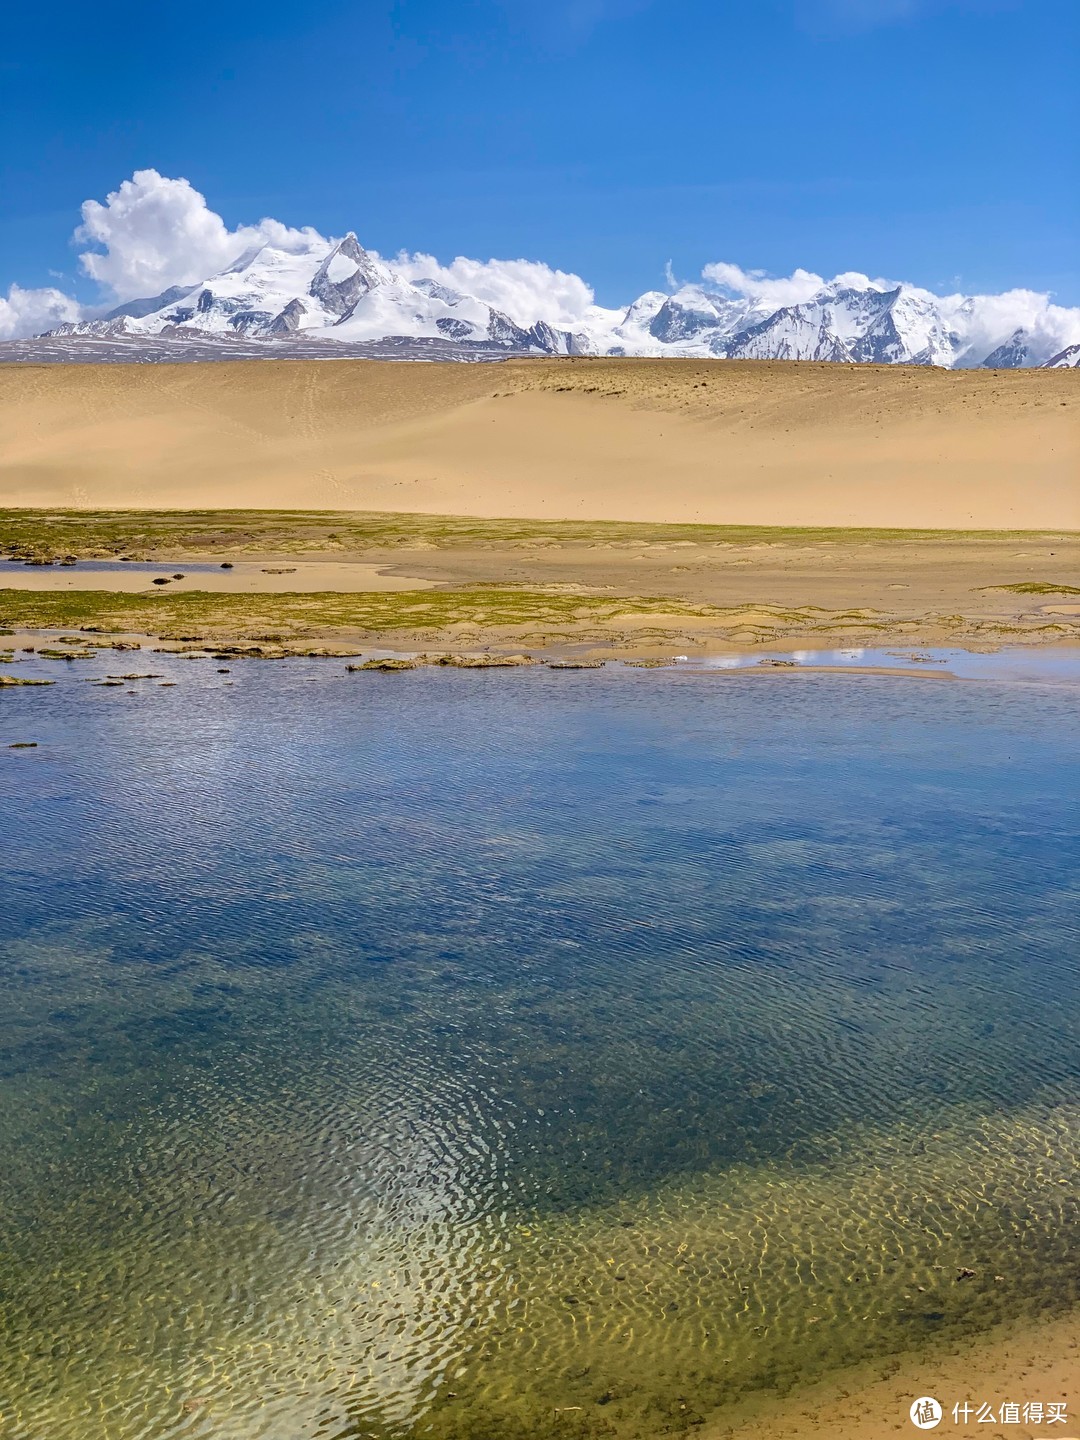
[390, 663]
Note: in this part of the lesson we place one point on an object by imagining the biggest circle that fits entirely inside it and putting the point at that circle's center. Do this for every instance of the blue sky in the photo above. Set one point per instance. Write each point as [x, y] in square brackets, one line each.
[929, 140]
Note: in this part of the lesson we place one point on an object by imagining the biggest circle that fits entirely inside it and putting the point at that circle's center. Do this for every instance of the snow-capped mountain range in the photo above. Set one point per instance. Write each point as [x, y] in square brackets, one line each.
[335, 290]
[338, 292]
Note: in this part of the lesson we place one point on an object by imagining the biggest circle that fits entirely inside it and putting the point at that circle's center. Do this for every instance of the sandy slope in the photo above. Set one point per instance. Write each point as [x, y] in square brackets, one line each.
[768, 443]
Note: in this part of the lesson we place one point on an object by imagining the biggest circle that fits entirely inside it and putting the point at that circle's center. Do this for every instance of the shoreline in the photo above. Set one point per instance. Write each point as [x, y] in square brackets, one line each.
[52, 652]
[603, 590]
[865, 1403]
[1031, 1360]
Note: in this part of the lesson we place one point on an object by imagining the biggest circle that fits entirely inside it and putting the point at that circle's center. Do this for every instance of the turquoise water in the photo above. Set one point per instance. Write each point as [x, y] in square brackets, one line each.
[517, 1054]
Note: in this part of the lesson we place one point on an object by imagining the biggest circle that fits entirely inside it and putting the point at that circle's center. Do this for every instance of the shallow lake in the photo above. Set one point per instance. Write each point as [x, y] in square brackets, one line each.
[522, 1054]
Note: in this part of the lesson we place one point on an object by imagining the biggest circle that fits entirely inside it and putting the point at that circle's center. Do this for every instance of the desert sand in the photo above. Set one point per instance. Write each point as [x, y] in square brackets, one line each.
[769, 443]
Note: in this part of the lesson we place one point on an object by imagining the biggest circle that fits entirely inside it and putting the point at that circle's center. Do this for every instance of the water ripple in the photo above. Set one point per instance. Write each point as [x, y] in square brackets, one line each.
[381, 1064]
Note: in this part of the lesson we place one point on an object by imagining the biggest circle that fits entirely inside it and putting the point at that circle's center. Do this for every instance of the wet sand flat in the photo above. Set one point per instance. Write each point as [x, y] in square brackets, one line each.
[418, 581]
[295, 577]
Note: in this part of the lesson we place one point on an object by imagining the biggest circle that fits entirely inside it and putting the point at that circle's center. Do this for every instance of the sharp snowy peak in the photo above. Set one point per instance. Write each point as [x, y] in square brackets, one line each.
[1014, 353]
[345, 277]
[327, 290]
[1067, 359]
[336, 292]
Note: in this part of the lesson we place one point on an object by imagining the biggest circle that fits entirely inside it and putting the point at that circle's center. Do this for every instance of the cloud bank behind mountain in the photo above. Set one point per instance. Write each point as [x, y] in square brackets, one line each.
[154, 233]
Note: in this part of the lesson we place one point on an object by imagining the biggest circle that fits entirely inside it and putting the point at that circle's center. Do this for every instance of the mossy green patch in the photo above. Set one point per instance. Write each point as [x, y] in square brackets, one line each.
[1036, 587]
[54, 534]
[199, 614]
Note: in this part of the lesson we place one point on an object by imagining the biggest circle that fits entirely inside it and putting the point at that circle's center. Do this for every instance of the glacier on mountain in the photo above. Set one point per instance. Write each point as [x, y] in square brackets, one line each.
[336, 291]
[1067, 359]
[330, 290]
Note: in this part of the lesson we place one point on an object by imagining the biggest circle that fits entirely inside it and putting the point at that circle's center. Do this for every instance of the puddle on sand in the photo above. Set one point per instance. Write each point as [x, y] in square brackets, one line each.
[1020, 664]
[241, 576]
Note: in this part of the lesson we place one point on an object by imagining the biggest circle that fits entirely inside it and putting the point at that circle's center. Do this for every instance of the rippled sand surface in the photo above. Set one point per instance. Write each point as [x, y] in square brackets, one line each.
[685, 441]
[522, 1055]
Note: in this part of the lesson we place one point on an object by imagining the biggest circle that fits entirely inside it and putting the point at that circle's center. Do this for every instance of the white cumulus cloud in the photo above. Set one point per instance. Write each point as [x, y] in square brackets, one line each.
[526, 290]
[777, 290]
[153, 232]
[29, 312]
[988, 320]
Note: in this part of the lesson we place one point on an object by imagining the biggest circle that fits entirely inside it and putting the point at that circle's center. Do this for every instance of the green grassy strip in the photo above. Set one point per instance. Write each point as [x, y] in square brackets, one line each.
[201, 613]
[101, 533]
[1036, 587]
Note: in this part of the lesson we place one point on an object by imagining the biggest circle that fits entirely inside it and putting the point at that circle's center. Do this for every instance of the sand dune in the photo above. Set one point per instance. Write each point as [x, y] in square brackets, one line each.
[721, 442]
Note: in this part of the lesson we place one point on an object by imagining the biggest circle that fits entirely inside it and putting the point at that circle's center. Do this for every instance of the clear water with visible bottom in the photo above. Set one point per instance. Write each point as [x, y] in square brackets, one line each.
[523, 1054]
